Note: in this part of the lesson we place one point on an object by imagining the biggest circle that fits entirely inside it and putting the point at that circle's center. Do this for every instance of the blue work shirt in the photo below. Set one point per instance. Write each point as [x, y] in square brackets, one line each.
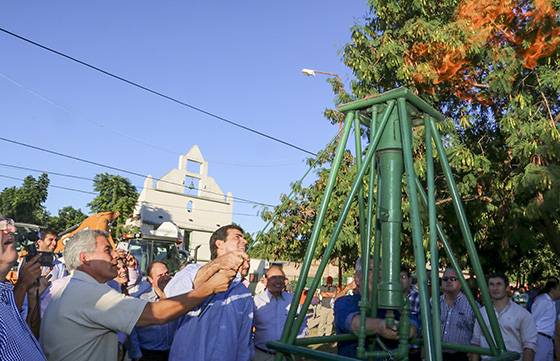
[155, 337]
[220, 329]
[345, 308]
[16, 341]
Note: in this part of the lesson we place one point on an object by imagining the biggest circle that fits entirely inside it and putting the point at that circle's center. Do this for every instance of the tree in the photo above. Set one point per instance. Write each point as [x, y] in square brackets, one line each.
[67, 217]
[291, 229]
[492, 67]
[25, 203]
[116, 193]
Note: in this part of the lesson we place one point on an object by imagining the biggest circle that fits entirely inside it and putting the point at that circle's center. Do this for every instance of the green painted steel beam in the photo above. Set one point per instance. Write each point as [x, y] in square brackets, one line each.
[406, 133]
[356, 186]
[310, 252]
[415, 100]
[467, 237]
[464, 285]
[434, 253]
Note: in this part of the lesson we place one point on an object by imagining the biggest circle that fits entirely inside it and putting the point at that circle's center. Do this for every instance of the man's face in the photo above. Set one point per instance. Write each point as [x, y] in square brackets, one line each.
[450, 283]
[48, 244]
[158, 271]
[8, 254]
[498, 288]
[235, 241]
[555, 293]
[102, 263]
[275, 281]
[405, 281]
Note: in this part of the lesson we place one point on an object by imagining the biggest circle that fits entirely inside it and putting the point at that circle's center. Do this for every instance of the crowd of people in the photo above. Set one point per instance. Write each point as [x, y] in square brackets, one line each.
[94, 303]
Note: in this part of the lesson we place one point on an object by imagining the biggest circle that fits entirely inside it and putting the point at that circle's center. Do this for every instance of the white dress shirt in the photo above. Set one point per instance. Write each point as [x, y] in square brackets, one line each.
[517, 327]
[544, 313]
[270, 315]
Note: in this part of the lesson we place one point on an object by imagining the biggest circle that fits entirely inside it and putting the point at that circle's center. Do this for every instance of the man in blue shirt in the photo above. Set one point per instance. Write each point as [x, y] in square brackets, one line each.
[221, 328]
[152, 343]
[347, 318]
[16, 341]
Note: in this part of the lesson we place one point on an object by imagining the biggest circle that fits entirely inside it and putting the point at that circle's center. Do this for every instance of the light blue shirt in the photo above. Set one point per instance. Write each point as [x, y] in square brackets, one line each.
[220, 329]
[155, 337]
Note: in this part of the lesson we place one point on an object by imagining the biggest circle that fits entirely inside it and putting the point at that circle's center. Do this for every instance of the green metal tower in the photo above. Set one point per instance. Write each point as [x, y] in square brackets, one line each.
[388, 160]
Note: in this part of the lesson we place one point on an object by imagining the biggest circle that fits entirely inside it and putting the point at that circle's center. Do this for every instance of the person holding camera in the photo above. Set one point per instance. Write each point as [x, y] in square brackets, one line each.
[16, 341]
[88, 313]
[36, 271]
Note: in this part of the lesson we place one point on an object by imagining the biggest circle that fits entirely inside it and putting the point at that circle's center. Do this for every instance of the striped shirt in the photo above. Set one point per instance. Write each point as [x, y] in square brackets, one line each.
[16, 341]
[457, 320]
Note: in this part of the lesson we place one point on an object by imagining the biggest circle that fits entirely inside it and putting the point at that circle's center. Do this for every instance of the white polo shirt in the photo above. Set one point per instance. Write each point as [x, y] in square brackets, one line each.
[82, 320]
[544, 314]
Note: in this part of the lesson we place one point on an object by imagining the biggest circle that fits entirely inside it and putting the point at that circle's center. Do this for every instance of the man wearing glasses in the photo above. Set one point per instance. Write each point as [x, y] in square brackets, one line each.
[16, 341]
[457, 317]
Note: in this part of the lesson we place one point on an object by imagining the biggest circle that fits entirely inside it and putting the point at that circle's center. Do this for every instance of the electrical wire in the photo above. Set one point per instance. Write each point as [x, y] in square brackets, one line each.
[143, 202]
[125, 135]
[122, 170]
[157, 93]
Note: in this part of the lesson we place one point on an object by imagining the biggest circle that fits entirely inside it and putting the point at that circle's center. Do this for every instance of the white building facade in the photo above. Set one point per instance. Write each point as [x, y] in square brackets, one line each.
[188, 197]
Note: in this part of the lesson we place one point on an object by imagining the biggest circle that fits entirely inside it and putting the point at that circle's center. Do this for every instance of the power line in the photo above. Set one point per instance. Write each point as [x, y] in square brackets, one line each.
[155, 92]
[120, 169]
[52, 185]
[145, 202]
[51, 102]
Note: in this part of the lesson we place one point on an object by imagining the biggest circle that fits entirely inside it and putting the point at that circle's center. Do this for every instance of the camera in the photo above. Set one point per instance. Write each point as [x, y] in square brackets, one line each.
[46, 258]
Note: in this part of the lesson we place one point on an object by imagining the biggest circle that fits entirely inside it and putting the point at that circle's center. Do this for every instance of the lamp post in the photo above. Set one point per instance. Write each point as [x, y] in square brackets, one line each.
[313, 72]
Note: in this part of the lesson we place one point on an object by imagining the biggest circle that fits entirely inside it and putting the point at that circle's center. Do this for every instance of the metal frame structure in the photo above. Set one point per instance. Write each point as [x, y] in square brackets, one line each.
[388, 160]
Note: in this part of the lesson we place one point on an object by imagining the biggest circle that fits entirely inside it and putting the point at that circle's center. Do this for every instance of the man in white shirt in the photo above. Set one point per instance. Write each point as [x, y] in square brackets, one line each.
[85, 314]
[544, 314]
[516, 324]
[272, 306]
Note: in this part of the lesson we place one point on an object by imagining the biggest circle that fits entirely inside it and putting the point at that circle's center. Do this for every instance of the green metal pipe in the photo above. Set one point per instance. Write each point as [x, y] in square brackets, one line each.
[363, 242]
[391, 95]
[469, 243]
[389, 154]
[306, 341]
[424, 106]
[306, 352]
[416, 229]
[455, 263]
[434, 253]
[276, 213]
[372, 218]
[376, 252]
[374, 100]
[404, 330]
[310, 252]
[356, 185]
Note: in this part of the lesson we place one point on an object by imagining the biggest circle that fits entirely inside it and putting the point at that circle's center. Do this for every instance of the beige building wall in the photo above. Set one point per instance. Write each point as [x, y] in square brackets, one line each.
[188, 197]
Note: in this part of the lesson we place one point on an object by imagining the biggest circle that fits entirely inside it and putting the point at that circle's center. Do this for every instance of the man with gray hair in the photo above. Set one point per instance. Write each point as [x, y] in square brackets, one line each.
[88, 313]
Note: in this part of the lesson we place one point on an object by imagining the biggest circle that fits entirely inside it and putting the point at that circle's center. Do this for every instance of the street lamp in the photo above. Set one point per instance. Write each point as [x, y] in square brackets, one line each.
[312, 72]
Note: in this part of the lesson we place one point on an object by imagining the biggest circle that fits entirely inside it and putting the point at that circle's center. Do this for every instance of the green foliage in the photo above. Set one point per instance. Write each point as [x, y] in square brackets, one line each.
[25, 203]
[116, 193]
[502, 135]
[67, 217]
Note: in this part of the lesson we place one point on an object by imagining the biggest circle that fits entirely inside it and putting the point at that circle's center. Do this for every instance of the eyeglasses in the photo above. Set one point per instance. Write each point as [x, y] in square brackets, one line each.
[452, 279]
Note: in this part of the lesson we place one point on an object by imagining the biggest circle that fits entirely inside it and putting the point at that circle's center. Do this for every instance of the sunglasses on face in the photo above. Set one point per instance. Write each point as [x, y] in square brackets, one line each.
[452, 279]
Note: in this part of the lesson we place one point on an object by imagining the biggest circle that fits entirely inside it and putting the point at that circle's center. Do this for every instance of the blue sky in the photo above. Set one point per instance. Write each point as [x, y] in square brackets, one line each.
[238, 59]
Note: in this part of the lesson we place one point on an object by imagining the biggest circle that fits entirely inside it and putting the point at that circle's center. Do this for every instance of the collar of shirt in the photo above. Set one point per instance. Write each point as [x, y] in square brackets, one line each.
[83, 276]
[271, 296]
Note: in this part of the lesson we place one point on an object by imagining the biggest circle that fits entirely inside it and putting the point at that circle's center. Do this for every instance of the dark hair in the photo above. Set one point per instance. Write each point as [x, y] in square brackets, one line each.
[405, 269]
[221, 234]
[43, 234]
[501, 275]
[149, 270]
[551, 284]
